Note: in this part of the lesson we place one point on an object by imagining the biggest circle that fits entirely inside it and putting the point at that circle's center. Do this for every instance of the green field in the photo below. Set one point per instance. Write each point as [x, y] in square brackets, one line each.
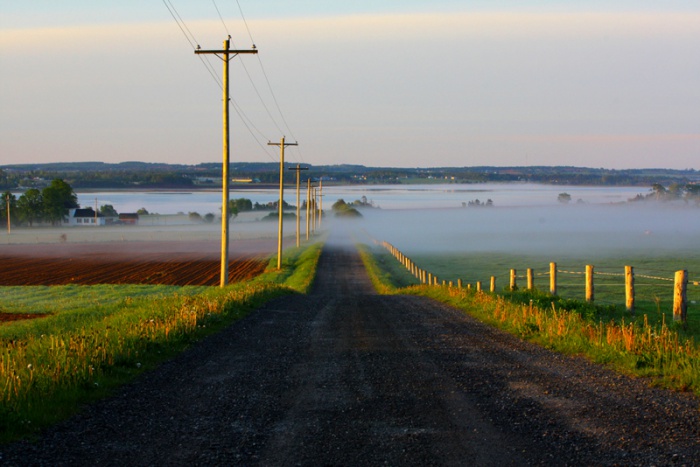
[653, 277]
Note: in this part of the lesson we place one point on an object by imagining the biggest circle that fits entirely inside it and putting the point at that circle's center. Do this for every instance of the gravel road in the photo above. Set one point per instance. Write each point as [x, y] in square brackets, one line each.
[344, 376]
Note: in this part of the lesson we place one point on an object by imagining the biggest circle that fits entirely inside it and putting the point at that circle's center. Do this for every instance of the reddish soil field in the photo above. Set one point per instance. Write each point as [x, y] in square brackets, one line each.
[171, 263]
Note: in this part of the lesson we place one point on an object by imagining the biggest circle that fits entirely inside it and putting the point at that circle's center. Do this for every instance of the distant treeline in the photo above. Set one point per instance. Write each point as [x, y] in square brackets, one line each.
[131, 175]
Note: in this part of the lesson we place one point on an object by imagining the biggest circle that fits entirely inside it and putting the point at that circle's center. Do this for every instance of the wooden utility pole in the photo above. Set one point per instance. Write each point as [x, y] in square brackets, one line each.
[298, 170]
[308, 206]
[7, 204]
[280, 208]
[320, 201]
[225, 54]
[313, 210]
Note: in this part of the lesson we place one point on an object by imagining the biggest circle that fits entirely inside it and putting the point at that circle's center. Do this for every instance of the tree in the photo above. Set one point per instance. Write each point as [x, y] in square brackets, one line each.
[564, 198]
[30, 206]
[142, 212]
[108, 210]
[194, 217]
[241, 204]
[232, 209]
[209, 217]
[59, 197]
[658, 191]
[339, 205]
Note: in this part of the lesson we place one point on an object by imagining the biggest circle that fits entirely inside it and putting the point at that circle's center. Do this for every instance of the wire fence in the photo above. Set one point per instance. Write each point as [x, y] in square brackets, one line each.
[642, 290]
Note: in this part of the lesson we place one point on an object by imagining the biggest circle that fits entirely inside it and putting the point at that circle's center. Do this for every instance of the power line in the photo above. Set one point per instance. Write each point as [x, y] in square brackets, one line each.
[247, 122]
[221, 17]
[181, 23]
[267, 80]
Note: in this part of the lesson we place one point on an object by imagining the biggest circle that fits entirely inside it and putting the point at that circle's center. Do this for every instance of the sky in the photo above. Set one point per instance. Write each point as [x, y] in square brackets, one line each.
[389, 83]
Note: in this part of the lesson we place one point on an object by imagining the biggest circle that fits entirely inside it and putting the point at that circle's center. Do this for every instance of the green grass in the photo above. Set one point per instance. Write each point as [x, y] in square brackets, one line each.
[653, 297]
[663, 352]
[99, 337]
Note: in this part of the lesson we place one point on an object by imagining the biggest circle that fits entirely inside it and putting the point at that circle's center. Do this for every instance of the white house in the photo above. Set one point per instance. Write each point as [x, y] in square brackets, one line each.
[86, 216]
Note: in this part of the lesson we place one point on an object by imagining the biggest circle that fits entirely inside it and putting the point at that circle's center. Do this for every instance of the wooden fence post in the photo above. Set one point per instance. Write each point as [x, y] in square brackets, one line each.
[589, 283]
[553, 278]
[629, 289]
[459, 283]
[680, 304]
[493, 283]
[513, 279]
[478, 286]
[530, 279]
[430, 278]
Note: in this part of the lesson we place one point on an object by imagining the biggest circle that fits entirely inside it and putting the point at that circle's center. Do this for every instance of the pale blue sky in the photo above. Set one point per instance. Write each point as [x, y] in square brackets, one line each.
[385, 83]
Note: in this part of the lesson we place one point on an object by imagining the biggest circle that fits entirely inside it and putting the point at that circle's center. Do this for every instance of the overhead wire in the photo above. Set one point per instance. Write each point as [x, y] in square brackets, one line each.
[191, 39]
[267, 80]
[247, 122]
[189, 36]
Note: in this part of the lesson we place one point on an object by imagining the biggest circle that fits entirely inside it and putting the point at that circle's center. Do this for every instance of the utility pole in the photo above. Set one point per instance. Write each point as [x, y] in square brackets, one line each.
[313, 210]
[308, 206]
[7, 203]
[225, 54]
[298, 170]
[320, 201]
[282, 145]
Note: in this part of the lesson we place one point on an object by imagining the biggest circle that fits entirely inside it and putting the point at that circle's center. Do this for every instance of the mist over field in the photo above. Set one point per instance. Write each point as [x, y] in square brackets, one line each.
[562, 230]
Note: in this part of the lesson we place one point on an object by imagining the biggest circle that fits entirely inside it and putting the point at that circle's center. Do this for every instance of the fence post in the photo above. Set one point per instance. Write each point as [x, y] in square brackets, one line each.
[553, 278]
[493, 283]
[530, 279]
[513, 279]
[459, 283]
[589, 283]
[680, 304]
[629, 289]
[478, 286]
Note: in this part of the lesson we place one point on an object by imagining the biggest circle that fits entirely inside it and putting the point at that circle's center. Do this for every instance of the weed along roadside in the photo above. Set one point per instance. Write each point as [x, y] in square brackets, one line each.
[664, 353]
[84, 350]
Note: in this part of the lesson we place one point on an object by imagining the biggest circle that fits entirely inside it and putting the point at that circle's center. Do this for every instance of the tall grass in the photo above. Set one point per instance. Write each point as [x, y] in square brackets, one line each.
[49, 366]
[658, 351]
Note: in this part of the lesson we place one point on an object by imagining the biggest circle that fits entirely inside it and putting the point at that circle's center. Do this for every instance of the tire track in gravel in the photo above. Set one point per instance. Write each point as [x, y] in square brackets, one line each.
[344, 376]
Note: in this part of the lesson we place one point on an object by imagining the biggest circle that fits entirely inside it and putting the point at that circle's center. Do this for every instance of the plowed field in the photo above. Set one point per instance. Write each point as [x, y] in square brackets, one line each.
[169, 263]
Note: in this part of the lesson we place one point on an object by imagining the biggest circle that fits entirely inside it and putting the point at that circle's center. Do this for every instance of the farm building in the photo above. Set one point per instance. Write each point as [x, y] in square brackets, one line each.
[86, 216]
[129, 218]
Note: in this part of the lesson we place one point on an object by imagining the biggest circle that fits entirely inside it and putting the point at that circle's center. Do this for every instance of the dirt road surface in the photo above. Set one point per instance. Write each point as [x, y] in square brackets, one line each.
[344, 376]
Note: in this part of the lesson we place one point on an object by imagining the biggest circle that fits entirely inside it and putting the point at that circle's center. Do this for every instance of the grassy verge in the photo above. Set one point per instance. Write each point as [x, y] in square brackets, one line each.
[656, 351]
[95, 340]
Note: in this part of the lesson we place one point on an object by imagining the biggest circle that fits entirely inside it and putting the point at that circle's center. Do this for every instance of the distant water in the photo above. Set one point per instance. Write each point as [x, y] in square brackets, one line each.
[384, 196]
